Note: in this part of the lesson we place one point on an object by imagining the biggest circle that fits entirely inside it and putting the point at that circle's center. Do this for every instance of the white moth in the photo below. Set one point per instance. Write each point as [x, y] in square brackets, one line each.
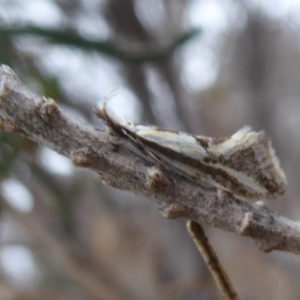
[244, 164]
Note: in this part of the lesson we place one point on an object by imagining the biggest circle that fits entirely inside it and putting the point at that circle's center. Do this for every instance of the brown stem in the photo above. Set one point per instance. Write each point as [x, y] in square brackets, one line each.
[211, 259]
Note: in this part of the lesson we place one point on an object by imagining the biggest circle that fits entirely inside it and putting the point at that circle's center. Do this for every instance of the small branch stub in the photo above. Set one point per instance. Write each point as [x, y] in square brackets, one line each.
[48, 108]
[173, 211]
[83, 157]
[157, 181]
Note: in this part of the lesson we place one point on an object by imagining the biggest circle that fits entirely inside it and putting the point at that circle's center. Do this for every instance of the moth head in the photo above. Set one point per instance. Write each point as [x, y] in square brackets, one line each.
[107, 114]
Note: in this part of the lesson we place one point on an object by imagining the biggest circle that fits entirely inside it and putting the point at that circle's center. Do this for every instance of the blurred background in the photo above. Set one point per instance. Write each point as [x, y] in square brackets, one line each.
[206, 67]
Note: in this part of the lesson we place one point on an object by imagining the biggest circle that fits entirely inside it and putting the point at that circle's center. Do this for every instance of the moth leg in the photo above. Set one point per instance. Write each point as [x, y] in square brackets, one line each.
[134, 141]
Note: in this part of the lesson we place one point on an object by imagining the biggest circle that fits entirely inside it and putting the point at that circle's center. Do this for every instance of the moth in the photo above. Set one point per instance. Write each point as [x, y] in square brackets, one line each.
[244, 164]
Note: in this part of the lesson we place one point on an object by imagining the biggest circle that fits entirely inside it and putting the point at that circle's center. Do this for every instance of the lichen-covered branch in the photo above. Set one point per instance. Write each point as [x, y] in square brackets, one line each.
[41, 120]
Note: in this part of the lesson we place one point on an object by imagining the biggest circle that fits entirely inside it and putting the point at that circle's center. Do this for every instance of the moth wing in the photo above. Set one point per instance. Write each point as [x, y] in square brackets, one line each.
[179, 142]
[252, 154]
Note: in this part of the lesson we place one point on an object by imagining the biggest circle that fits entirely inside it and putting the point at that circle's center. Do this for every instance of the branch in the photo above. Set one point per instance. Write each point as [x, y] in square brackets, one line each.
[41, 120]
[72, 38]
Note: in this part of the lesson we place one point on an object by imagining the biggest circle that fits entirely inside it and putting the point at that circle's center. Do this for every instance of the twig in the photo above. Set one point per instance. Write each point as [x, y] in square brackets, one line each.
[41, 120]
[210, 257]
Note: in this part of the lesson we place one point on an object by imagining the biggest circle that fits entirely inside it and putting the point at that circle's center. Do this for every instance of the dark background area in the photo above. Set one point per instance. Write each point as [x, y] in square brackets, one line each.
[206, 67]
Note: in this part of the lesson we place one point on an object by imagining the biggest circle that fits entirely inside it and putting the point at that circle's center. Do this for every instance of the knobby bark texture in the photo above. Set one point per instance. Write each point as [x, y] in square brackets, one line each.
[42, 120]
